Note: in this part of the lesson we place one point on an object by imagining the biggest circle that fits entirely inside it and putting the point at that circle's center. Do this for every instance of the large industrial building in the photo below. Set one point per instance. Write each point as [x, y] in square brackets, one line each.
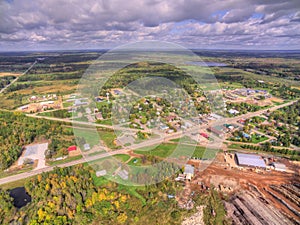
[249, 160]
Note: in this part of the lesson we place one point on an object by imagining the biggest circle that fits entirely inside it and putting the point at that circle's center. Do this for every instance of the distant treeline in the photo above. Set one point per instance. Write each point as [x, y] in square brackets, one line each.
[50, 77]
[4, 81]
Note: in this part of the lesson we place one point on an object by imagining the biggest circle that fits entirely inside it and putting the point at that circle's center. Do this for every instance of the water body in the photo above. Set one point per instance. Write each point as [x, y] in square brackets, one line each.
[21, 198]
[207, 64]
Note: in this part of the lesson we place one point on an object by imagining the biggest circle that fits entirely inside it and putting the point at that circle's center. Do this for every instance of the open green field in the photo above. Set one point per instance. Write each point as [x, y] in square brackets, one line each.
[60, 113]
[105, 122]
[108, 137]
[122, 157]
[135, 162]
[257, 139]
[18, 183]
[166, 149]
[91, 137]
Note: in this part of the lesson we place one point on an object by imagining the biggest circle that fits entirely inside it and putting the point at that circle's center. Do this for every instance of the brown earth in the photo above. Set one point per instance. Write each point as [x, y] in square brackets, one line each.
[219, 174]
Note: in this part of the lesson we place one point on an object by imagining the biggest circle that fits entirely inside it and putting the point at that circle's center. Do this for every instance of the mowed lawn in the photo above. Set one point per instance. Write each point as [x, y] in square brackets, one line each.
[94, 137]
[122, 157]
[90, 136]
[168, 150]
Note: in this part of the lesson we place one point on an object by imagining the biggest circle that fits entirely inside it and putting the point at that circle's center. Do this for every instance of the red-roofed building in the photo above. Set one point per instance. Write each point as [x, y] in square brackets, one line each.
[204, 135]
[72, 148]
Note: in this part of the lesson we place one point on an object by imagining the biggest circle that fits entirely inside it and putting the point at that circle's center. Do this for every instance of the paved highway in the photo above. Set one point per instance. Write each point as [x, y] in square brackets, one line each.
[15, 80]
[140, 145]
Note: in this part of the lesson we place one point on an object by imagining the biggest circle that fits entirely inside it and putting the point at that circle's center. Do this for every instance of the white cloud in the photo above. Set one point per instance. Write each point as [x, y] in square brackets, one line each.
[108, 23]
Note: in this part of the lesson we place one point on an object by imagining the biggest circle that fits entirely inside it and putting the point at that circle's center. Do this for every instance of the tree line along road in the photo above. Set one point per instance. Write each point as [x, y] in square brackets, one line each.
[136, 146]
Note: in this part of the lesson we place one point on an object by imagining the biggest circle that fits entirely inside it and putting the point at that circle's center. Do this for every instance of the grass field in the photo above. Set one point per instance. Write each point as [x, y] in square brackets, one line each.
[108, 137]
[135, 162]
[257, 139]
[11, 185]
[184, 139]
[91, 137]
[105, 122]
[99, 181]
[67, 104]
[69, 159]
[162, 150]
[166, 149]
[122, 157]
[23, 170]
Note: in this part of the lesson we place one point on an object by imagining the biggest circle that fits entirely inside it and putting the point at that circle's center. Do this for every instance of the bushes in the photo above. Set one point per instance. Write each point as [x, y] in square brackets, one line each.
[267, 147]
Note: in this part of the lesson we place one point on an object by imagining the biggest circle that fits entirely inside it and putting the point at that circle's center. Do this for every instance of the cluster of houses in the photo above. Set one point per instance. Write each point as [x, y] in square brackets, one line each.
[41, 103]
[246, 92]
[40, 106]
[220, 131]
[35, 98]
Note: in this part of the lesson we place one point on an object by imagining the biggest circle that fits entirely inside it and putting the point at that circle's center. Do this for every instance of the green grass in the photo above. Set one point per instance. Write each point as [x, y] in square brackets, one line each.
[23, 170]
[93, 138]
[14, 184]
[235, 146]
[231, 85]
[184, 139]
[108, 138]
[199, 152]
[90, 136]
[67, 104]
[166, 149]
[99, 181]
[162, 150]
[239, 148]
[122, 157]
[257, 139]
[96, 153]
[253, 140]
[69, 159]
[138, 162]
[60, 113]
[105, 122]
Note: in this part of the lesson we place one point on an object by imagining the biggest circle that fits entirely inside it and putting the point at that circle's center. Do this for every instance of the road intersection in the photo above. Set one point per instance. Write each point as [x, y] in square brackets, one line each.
[146, 143]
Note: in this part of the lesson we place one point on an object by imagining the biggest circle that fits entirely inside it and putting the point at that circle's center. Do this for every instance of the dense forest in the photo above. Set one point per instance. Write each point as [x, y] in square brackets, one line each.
[18, 130]
[289, 115]
[72, 196]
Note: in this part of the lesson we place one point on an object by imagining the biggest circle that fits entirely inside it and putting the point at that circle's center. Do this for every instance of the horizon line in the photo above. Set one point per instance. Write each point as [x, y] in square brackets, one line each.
[107, 49]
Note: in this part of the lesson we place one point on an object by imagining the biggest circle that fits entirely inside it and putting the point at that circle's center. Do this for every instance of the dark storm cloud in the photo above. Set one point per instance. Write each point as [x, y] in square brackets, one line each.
[106, 23]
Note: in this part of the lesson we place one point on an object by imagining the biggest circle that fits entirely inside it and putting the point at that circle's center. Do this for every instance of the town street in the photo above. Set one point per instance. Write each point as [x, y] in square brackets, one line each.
[140, 145]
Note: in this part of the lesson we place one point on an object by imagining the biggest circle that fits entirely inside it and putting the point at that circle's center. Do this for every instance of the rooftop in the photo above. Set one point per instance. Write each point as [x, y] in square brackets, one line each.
[250, 160]
[188, 169]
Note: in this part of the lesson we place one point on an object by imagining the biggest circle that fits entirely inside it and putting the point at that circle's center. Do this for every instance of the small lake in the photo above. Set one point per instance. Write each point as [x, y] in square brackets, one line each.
[21, 198]
[207, 64]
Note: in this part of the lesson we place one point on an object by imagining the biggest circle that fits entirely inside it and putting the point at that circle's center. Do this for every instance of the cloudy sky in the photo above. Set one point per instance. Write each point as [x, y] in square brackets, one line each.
[213, 24]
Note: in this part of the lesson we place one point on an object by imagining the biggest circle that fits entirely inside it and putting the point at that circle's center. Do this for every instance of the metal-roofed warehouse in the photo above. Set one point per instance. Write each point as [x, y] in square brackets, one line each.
[249, 160]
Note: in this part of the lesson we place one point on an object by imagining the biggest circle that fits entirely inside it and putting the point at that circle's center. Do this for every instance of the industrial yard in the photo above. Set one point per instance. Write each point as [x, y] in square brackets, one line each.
[251, 195]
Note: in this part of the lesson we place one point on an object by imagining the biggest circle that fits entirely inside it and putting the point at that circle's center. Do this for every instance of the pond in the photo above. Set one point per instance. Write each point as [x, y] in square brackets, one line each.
[207, 64]
[21, 198]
